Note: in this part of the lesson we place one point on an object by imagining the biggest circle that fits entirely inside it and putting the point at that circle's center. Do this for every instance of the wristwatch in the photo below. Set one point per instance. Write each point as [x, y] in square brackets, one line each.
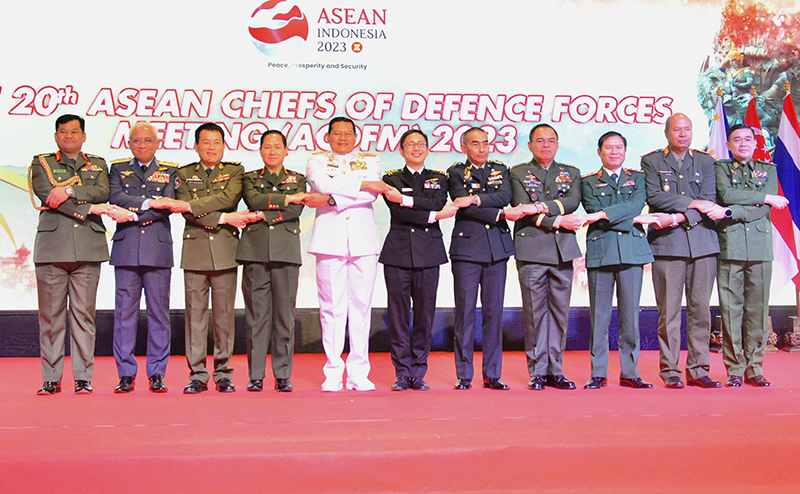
[331, 201]
[728, 213]
[69, 190]
[674, 220]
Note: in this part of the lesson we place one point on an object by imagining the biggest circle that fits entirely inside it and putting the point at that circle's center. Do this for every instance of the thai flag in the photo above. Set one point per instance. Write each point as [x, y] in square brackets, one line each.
[751, 119]
[785, 221]
[719, 133]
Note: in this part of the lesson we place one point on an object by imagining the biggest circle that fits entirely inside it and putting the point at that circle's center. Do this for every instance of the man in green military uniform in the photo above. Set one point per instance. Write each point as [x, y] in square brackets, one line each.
[616, 251]
[270, 252]
[749, 190]
[207, 196]
[70, 245]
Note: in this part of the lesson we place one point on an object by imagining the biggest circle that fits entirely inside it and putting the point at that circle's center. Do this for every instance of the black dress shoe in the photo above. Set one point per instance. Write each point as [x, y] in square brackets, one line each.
[536, 383]
[195, 387]
[704, 382]
[494, 383]
[673, 383]
[733, 382]
[634, 382]
[157, 384]
[596, 383]
[419, 384]
[463, 384]
[558, 382]
[757, 381]
[283, 385]
[255, 385]
[401, 384]
[83, 387]
[225, 385]
[126, 384]
[50, 388]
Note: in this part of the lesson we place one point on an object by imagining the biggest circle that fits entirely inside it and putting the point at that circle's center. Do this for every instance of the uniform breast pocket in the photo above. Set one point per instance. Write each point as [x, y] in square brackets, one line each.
[293, 229]
[602, 195]
[595, 247]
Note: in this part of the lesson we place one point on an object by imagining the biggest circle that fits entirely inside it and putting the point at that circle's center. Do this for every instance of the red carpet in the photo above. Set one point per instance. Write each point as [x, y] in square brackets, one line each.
[609, 440]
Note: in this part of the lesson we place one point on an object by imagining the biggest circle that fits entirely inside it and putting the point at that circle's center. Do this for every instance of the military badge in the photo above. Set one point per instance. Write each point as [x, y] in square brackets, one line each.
[159, 177]
[177, 182]
[358, 163]
[629, 183]
[222, 177]
[432, 184]
[290, 179]
[90, 167]
[759, 174]
[126, 173]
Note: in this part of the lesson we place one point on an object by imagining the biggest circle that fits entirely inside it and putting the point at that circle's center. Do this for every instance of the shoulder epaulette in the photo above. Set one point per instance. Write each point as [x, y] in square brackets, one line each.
[520, 164]
[94, 156]
[44, 155]
[440, 172]
[589, 174]
[457, 163]
[765, 163]
[319, 152]
[235, 163]
[653, 152]
[633, 170]
[496, 162]
[392, 172]
[168, 163]
[371, 155]
[190, 164]
[292, 172]
[121, 160]
[567, 165]
[704, 152]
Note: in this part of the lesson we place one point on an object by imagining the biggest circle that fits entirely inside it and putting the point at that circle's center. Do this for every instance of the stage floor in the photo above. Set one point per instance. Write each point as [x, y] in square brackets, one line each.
[608, 440]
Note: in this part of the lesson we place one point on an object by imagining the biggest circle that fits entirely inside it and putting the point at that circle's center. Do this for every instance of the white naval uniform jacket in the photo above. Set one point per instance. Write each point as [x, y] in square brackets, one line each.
[348, 228]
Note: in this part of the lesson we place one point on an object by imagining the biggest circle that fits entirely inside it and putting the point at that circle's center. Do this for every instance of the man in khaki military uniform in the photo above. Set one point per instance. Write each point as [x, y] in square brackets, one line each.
[681, 190]
[749, 190]
[270, 252]
[70, 245]
[207, 196]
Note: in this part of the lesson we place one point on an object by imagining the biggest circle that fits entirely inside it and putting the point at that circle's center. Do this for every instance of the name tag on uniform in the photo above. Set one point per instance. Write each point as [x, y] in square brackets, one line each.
[406, 189]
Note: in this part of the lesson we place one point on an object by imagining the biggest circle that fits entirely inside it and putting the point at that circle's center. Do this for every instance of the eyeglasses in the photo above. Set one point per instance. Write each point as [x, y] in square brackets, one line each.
[415, 144]
[148, 141]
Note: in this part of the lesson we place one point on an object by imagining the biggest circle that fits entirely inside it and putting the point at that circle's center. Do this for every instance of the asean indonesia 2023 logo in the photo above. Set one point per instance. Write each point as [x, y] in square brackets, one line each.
[278, 28]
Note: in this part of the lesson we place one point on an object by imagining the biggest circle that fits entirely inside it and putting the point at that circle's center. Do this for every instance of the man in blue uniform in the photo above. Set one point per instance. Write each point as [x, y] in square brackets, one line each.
[142, 257]
[479, 250]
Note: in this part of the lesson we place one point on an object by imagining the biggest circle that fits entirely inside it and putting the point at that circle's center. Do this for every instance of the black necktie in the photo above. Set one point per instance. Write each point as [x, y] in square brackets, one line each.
[144, 168]
[208, 172]
[614, 178]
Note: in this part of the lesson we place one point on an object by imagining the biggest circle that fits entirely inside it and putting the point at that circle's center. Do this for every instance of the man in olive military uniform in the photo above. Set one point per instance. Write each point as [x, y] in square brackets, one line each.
[411, 256]
[142, 257]
[681, 190]
[545, 195]
[270, 252]
[616, 251]
[70, 245]
[748, 188]
[479, 250]
[207, 196]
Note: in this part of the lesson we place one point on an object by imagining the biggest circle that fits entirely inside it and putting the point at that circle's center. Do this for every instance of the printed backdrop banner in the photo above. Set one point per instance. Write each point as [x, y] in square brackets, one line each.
[584, 67]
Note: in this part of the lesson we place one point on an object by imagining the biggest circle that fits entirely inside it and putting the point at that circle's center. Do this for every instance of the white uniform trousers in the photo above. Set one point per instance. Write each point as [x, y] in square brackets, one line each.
[344, 286]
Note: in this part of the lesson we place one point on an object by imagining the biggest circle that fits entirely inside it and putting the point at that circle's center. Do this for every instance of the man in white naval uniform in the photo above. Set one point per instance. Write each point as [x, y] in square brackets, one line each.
[345, 242]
